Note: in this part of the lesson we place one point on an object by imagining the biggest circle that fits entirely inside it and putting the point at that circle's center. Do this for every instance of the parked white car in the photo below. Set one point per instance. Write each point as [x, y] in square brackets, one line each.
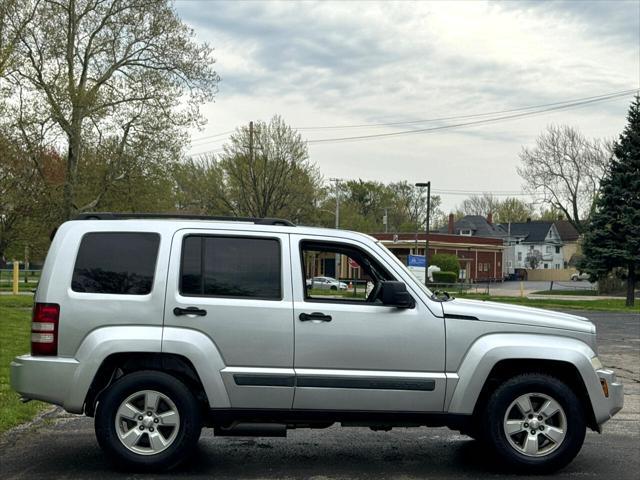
[326, 283]
[578, 277]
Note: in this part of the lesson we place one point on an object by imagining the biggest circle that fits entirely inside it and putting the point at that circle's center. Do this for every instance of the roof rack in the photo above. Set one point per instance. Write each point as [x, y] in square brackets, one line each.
[180, 216]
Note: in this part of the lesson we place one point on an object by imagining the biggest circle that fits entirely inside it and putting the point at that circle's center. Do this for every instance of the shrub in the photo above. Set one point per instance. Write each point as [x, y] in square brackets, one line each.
[445, 277]
[446, 262]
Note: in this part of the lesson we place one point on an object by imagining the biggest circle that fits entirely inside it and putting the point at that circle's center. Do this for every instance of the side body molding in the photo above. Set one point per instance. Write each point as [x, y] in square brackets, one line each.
[490, 349]
[205, 357]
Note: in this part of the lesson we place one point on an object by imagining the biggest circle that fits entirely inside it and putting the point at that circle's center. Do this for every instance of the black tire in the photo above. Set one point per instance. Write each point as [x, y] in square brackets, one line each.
[190, 423]
[333, 287]
[492, 429]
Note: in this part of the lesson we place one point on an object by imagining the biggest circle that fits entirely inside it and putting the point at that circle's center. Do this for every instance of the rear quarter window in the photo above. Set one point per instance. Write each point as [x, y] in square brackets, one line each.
[116, 263]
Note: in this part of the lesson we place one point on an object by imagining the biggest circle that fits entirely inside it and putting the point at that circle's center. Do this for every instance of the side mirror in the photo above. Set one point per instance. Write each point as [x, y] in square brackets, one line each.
[395, 294]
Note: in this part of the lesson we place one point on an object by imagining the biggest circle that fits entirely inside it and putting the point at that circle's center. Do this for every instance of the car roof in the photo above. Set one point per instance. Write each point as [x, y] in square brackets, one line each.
[164, 224]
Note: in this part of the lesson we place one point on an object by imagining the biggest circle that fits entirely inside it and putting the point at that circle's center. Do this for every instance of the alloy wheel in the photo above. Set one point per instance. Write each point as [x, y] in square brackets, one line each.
[535, 424]
[147, 422]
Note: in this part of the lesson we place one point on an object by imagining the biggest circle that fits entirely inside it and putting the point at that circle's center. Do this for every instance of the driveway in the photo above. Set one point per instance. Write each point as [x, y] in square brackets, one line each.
[63, 446]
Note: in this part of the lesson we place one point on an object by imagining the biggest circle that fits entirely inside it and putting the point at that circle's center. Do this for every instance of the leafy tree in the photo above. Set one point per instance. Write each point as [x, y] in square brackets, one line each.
[268, 173]
[512, 209]
[25, 197]
[121, 68]
[550, 214]
[612, 239]
[409, 212]
[446, 262]
[199, 186]
[566, 169]
[15, 15]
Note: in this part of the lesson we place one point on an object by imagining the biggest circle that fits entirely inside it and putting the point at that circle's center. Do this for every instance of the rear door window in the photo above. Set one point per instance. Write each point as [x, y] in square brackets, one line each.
[116, 263]
[236, 267]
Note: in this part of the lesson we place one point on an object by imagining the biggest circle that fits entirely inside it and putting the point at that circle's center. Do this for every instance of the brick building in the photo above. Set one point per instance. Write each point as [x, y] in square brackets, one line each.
[481, 258]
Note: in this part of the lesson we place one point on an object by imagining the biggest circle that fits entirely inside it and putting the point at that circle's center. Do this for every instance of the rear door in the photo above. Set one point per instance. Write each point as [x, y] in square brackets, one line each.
[235, 287]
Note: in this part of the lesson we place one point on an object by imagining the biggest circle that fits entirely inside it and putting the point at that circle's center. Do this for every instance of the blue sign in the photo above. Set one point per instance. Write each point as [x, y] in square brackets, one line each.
[416, 261]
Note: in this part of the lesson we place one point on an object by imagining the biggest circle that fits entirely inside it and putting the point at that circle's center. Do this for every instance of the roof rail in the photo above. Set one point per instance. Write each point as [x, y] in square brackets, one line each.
[180, 216]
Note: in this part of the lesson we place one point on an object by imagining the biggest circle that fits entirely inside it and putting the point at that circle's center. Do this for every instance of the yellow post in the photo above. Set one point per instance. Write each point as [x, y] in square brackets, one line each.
[16, 276]
[521, 289]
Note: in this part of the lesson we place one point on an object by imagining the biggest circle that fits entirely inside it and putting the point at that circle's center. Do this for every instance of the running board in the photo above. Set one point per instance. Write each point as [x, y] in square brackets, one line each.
[252, 430]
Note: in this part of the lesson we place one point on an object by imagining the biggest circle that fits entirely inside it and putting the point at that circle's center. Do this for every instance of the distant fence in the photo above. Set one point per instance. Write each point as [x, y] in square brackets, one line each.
[28, 279]
[463, 287]
[548, 274]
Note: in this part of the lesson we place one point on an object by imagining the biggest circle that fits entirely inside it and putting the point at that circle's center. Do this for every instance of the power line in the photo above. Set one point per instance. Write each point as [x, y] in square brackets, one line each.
[493, 193]
[475, 115]
[510, 115]
[466, 124]
[221, 134]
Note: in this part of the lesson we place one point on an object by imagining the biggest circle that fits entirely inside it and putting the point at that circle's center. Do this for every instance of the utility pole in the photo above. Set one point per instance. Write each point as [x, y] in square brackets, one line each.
[386, 220]
[337, 181]
[426, 228]
[251, 141]
[337, 259]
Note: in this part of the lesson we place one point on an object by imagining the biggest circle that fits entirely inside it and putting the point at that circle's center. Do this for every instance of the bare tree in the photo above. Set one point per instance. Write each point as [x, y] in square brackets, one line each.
[533, 259]
[480, 204]
[565, 168]
[97, 68]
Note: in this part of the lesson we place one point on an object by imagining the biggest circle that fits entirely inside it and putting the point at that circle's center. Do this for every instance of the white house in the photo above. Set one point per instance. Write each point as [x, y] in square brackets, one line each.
[534, 239]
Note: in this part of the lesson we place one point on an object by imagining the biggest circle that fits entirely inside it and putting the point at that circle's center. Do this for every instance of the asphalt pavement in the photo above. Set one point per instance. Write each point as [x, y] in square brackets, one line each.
[61, 446]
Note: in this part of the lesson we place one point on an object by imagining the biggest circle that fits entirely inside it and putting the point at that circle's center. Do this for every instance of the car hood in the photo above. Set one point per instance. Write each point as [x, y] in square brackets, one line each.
[515, 314]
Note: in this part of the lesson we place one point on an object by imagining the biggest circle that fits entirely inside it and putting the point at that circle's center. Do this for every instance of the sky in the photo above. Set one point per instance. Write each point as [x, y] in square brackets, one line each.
[348, 64]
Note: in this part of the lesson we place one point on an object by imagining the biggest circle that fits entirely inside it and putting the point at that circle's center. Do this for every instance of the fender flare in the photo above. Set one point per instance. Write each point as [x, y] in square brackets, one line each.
[205, 357]
[490, 349]
[98, 345]
[106, 341]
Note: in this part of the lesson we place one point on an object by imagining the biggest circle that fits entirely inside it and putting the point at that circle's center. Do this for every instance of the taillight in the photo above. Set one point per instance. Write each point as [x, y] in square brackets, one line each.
[44, 329]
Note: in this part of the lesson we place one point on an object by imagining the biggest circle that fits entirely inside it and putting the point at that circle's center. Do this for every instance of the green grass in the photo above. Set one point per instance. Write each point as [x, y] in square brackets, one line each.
[612, 305]
[15, 317]
[581, 292]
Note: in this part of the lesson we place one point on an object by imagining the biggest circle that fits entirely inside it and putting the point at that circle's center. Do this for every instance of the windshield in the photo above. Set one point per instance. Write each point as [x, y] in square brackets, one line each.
[401, 265]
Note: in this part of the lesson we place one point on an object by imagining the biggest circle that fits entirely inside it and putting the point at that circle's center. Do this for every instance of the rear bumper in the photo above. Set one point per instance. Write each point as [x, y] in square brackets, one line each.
[613, 403]
[50, 379]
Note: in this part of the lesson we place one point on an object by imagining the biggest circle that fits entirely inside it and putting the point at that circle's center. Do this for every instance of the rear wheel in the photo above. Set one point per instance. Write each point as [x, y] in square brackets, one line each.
[534, 422]
[148, 420]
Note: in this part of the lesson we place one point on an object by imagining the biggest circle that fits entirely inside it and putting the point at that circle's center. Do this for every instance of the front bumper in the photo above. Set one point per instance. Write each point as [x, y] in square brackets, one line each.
[609, 405]
[50, 379]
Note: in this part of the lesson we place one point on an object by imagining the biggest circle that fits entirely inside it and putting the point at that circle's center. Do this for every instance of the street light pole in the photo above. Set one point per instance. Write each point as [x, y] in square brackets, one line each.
[426, 228]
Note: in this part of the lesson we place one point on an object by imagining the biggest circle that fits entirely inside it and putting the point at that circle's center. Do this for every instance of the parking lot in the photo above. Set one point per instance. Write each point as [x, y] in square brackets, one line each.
[64, 446]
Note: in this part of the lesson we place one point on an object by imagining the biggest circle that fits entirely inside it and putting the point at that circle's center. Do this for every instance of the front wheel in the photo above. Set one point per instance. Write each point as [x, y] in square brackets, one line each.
[148, 420]
[535, 423]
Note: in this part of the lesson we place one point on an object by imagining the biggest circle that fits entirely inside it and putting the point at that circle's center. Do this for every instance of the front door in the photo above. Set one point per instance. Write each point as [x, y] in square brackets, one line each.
[235, 288]
[353, 353]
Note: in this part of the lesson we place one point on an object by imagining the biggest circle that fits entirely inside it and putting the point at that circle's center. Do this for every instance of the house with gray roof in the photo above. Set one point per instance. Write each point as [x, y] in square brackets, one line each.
[526, 243]
[536, 245]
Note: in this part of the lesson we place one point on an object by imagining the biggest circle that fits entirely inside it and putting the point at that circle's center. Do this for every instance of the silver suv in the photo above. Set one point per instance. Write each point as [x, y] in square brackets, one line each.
[159, 326]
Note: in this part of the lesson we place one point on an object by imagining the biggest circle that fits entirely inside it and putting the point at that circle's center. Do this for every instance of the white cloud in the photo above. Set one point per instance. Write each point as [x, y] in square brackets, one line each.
[340, 63]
